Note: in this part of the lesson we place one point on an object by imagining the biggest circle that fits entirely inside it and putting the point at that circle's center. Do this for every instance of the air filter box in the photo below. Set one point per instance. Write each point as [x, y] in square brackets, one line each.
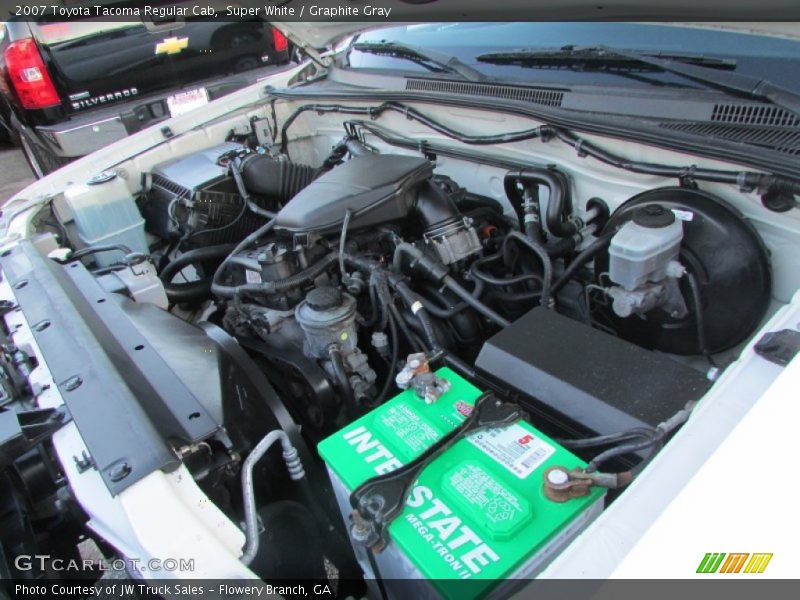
[195, 194]
[588, 377]
[476, 520]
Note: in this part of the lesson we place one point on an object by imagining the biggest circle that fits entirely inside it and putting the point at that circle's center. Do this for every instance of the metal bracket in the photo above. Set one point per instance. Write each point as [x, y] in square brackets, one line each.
[21, 431]
[378, 501]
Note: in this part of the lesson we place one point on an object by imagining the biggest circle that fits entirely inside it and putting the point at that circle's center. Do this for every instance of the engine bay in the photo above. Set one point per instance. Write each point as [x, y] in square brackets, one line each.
[498, 339]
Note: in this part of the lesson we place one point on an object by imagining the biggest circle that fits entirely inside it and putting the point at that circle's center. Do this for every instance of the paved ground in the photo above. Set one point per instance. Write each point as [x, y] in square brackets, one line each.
[14, 172]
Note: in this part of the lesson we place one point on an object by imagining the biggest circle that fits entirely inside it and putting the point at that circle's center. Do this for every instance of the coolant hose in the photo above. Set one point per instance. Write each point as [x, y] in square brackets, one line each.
[277, 285]
[193, 257]
[558, 204]
[191, 292]
[296, 473]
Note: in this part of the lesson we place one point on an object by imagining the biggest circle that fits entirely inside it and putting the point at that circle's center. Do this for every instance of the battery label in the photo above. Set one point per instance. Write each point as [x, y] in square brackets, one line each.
[514, 447]
[409, 427]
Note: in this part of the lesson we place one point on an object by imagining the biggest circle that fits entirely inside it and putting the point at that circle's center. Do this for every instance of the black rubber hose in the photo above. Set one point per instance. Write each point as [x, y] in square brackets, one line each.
[216, 282]
[266, 176]
[395, 341]
[410, 298]
[513, 296]
[430, 268]
[278, 285]
[558, 247]
[193, 257]
[437, 272]
[559, 206]
[446, 313]
[335, 354]
[697, 302]
[462, 293]
[477, 273]
[586, 255]
[403, 327]
[547, 264]
[192, 292]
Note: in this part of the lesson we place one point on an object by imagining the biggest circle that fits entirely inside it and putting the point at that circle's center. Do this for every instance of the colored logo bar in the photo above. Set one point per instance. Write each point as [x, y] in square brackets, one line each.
[737, 562]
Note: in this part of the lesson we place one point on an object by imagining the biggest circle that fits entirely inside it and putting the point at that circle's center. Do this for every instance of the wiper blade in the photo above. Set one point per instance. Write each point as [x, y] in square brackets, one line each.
[433, 61]
[597, 57]
[713, 72]
[753, 87]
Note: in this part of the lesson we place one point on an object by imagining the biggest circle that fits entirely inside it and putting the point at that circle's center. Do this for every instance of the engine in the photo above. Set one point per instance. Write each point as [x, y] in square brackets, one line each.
[375, 293]
[338, 274]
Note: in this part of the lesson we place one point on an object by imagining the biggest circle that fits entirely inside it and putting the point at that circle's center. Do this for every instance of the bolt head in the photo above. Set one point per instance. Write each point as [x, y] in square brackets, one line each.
[73, 383]
[557, 477]
[119, 471]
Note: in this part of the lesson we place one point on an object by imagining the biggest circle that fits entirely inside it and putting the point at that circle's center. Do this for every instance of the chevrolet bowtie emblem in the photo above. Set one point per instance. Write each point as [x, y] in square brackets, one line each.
[172, 45]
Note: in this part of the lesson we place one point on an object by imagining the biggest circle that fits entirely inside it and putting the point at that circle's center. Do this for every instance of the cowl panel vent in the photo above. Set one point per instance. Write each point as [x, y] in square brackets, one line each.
[785, 140]
[754, 114]
[507, 92]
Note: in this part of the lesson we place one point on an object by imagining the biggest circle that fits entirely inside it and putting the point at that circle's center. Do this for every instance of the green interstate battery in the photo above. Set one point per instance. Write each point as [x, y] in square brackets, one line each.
[477, 513]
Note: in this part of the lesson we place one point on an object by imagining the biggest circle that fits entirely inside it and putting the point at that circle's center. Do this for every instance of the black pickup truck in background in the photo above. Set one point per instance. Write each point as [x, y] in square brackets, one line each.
[68, 89]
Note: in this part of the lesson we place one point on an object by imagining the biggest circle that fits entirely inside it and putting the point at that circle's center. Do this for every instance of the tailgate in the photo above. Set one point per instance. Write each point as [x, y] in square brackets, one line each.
[98, 63]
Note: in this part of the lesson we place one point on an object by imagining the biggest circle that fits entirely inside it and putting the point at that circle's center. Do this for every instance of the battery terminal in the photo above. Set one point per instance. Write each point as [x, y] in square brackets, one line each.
[417, 375]
[561, 484]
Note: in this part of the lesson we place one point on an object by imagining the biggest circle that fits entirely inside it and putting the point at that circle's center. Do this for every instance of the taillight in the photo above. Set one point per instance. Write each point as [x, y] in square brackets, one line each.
[279, 40]
[28, 75]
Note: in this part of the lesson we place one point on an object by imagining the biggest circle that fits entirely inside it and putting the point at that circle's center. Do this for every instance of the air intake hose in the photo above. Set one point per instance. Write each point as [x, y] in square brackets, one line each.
[435, 207]
[277, 179]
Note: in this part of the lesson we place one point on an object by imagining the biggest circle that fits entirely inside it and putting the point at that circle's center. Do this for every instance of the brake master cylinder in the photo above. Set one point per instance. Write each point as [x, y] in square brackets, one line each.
[643, 261]
[475, 510]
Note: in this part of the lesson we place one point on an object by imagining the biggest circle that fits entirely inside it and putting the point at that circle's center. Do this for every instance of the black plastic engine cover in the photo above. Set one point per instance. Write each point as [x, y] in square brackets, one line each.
[591, 378]
[377, 188]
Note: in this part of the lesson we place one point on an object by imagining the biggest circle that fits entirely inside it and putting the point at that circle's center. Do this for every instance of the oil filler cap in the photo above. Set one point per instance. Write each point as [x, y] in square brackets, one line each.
[324, 298]
[653, 216]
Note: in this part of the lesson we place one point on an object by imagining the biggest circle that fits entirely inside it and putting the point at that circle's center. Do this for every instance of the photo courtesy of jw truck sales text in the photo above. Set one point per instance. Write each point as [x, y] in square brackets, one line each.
[391, 299]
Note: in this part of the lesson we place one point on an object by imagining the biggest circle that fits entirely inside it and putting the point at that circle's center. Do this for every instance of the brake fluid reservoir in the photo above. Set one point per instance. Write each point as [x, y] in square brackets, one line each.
[644, 246]
[476, 520]
[105, 212]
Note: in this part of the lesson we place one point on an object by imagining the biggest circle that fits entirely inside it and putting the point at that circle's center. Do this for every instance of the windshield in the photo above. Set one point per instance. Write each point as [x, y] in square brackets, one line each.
[775, 59]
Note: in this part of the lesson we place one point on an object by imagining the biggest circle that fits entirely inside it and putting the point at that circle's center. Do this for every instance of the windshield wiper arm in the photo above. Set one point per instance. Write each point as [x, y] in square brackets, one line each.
[433, 61]
[712, 72]
[598, 57]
